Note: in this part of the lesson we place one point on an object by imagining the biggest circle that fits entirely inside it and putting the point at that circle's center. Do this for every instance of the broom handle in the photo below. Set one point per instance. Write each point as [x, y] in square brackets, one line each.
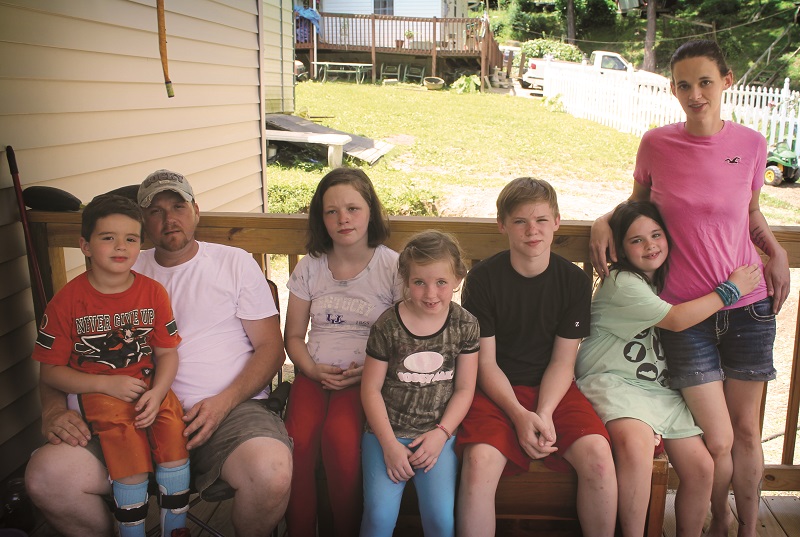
[33, 262]
[162, 46]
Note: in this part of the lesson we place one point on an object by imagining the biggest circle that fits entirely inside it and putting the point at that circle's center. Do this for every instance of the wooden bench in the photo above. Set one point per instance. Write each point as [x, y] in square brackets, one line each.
[538, 498]
[335, 142]
[542, 500]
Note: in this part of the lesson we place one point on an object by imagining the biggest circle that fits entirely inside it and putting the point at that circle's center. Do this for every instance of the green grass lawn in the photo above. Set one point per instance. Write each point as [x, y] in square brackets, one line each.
[466, 147]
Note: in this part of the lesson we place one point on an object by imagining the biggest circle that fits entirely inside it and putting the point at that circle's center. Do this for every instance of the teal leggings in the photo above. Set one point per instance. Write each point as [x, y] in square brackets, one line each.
[436, 491]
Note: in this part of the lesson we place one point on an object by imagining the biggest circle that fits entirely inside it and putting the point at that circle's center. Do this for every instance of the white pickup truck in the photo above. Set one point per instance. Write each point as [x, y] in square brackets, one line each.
[601, 60]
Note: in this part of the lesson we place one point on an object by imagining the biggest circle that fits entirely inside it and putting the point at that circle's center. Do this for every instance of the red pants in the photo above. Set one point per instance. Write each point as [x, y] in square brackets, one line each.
[127, 450]
[329, 422]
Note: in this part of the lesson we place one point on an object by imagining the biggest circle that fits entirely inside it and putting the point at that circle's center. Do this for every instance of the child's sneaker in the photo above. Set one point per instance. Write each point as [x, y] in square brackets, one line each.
[181, 532]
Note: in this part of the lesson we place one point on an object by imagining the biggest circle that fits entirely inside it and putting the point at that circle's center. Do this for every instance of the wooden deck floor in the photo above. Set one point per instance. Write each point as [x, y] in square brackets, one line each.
[779, 516]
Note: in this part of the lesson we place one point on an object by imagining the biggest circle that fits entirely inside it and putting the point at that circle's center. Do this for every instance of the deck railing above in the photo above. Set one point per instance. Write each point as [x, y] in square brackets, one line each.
[262, 234]
[361, 32]
[435, 37]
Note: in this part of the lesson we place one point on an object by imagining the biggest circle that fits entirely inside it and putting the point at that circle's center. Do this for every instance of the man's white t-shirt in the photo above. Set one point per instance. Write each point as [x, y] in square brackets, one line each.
[211, 294]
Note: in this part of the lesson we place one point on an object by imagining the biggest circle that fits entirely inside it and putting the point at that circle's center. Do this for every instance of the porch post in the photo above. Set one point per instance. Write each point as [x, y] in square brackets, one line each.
[482, 45]
[374, 66]
[433, 60]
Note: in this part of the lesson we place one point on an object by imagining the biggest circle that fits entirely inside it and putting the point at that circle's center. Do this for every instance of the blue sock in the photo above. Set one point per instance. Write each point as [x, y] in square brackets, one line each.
[128, 498]
[173, 481]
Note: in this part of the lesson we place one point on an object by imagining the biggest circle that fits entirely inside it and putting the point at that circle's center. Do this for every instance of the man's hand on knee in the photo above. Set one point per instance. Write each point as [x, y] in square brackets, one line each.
[63, 425]
[203, 419]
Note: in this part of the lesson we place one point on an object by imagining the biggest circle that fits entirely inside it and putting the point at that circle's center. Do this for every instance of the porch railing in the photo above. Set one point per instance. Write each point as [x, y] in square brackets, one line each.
[263, 234]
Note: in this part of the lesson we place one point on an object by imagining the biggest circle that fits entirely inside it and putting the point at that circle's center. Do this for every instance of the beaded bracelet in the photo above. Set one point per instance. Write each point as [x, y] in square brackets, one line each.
[440, 426]
[728, 293]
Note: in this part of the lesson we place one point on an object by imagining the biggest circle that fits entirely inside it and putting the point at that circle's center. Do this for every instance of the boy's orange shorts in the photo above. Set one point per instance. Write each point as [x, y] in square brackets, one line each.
[486, 423]
[127, 450]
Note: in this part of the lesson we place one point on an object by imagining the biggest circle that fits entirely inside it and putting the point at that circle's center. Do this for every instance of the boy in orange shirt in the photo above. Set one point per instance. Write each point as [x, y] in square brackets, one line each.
[98, 339]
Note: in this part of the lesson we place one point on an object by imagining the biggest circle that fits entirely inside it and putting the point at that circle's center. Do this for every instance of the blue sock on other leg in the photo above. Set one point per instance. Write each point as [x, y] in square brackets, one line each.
[131, 510]
[171, 482]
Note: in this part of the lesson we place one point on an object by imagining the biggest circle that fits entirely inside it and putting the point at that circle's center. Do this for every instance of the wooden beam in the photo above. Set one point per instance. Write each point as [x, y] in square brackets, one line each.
[435, 46]
[793, 404]
[776, 477]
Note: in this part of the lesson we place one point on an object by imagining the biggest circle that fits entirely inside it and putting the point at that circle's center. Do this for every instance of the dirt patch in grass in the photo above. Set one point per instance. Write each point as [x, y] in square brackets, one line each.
[573, 201]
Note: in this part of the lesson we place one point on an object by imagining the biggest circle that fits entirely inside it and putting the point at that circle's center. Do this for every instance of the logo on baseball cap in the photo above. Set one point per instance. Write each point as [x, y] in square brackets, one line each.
[161, 180]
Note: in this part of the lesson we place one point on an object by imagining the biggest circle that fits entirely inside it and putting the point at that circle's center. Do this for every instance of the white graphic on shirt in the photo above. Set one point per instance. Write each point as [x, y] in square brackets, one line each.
[421, 367]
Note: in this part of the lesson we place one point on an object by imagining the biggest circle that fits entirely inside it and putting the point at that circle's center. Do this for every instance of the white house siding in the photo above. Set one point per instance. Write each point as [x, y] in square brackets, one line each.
[85, 108]
[418, 8]
[278, 63]
[355, 7]
[402, 8]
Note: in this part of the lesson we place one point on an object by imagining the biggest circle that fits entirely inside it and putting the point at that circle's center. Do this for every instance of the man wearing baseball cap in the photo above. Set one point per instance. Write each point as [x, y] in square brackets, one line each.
[231, 349]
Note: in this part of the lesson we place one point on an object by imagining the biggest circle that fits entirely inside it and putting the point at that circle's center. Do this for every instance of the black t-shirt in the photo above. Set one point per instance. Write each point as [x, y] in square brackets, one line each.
[526, 314]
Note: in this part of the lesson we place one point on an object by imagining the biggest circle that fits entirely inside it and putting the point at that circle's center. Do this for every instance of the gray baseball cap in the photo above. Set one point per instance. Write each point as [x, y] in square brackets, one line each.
[161, 180]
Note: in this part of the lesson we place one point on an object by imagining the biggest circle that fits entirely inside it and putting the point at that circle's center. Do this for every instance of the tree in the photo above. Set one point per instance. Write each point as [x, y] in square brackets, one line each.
[649, 63]
[571, 22]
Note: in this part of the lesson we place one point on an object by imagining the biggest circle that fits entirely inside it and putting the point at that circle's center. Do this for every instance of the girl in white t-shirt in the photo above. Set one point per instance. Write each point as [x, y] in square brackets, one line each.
[348, 279]
[621, 369]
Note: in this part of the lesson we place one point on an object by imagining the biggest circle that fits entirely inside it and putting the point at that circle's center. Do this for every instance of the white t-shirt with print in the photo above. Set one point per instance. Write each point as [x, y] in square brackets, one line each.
[343, 311]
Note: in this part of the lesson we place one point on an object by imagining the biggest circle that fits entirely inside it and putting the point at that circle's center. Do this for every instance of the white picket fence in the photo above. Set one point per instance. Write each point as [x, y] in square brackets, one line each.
[618, 101]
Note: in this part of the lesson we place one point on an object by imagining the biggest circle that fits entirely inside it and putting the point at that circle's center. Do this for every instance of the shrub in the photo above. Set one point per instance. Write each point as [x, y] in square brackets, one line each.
[598, 14]
[712, 9]
[580, 9]
[467, 84]
[398, 199]
[407, 199]
[289, 198]
[526, 25]
[590, 13]
[537, 48]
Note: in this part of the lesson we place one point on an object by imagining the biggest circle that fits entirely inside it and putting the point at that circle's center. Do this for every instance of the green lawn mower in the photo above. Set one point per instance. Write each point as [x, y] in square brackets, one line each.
[781, 165]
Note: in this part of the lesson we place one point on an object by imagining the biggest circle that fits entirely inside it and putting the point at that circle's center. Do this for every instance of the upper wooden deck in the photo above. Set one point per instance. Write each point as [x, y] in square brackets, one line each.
[436, 39]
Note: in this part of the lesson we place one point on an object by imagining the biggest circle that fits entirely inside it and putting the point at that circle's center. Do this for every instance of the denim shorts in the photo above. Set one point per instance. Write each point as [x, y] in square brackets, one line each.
[735, 343]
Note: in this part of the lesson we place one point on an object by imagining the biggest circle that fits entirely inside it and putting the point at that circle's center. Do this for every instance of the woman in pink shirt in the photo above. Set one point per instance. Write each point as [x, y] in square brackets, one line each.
[705, 176]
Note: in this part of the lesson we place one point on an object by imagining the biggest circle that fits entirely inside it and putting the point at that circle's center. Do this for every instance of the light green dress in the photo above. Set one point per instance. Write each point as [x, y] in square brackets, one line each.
[621, 367]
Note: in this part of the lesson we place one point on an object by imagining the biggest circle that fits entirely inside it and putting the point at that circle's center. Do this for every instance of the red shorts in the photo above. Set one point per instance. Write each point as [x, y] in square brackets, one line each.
[486, 423]
[127, 450]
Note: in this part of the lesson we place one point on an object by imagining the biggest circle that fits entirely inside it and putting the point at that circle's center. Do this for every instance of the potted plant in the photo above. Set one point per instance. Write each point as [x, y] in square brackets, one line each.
[409, 37]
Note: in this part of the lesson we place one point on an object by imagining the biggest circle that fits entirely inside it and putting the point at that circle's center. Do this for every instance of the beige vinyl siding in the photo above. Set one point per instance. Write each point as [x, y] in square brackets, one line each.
[19, 396]
[85, 97]
[278, 56]
[85, 108]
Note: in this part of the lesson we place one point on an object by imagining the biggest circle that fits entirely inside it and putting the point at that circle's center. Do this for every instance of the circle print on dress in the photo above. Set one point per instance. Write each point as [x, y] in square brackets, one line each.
[424, 362]
[647, 372]
[635, 352]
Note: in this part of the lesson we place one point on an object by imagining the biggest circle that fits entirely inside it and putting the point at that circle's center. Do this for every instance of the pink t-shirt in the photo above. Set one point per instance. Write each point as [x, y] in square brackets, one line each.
[702, 185]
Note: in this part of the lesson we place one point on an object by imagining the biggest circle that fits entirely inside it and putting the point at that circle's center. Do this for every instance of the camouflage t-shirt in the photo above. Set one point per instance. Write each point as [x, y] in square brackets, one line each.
[419, 379]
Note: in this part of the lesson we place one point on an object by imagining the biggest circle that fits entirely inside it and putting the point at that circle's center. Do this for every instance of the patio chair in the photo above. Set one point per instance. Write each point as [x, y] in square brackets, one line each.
[414, 73]
[391, 71]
